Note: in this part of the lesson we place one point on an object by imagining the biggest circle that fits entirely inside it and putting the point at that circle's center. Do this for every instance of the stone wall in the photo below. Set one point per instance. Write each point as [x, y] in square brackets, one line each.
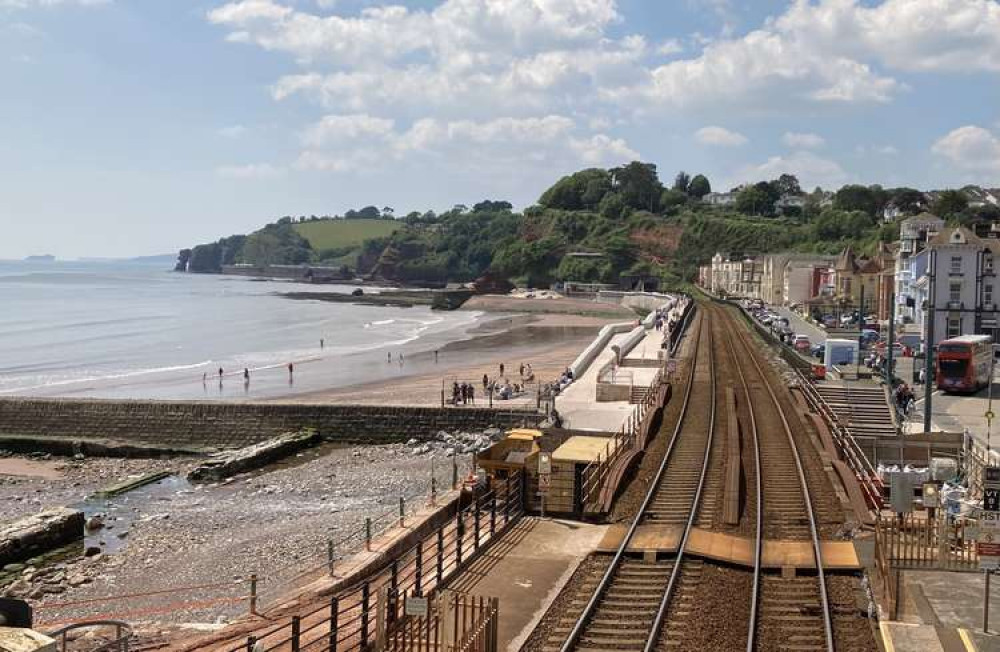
[201, 425]
[39, 533]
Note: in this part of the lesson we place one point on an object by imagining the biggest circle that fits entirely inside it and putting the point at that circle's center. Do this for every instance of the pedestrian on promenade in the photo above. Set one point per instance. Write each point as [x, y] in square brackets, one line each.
[501, 370]
[435, 356]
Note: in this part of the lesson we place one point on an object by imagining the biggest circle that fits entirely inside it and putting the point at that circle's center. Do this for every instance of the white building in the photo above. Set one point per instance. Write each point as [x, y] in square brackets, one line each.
[963, 293]
[720, 198]
[914, 233]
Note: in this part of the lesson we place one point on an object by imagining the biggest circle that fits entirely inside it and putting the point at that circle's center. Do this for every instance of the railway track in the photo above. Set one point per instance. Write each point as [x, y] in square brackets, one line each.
[628, 604]
[677, 602]
[792, 613]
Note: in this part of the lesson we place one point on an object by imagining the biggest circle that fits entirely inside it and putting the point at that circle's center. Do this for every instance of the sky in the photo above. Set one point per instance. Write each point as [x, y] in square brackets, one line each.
[137, 127]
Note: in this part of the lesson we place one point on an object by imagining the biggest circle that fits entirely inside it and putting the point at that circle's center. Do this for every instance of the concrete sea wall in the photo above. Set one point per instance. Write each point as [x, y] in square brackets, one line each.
[204, 425]
[39, 533]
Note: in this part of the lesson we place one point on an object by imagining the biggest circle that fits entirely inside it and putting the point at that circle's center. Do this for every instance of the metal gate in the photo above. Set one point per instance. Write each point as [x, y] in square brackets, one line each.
[454, 622]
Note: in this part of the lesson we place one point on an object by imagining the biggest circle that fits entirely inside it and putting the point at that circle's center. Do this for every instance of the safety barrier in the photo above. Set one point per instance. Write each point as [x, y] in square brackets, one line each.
[358, 616]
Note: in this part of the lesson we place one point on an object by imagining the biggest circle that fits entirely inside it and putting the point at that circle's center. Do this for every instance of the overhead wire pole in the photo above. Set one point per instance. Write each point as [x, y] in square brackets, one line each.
[929, 339]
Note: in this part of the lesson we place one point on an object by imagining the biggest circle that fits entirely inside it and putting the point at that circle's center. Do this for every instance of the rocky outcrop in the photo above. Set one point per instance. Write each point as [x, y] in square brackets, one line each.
[38, 533]
[227, 464]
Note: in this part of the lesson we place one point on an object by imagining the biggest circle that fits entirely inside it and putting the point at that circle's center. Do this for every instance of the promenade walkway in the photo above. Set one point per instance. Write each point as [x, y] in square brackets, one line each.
[578, 405]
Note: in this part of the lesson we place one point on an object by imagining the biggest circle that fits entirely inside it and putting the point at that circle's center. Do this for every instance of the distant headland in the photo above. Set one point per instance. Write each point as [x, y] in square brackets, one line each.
[44, 258]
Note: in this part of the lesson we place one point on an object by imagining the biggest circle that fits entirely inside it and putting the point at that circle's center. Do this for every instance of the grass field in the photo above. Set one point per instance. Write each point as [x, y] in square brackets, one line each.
[331, 234]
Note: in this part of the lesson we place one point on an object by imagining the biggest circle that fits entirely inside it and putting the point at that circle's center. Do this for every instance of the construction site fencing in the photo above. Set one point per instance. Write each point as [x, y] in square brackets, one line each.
[363, 613]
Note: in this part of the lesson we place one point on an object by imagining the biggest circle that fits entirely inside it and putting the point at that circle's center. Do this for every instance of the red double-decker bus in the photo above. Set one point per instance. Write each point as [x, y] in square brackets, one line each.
[963, 363]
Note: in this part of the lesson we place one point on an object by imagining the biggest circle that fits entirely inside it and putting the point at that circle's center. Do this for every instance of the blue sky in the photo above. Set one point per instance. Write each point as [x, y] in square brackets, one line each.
[131, 127]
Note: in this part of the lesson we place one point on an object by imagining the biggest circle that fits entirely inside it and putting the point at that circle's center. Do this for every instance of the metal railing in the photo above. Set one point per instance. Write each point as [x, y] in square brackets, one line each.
[356, 616]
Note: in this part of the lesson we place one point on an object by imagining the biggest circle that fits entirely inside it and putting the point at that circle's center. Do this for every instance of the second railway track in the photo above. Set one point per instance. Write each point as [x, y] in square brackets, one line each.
[672, 601]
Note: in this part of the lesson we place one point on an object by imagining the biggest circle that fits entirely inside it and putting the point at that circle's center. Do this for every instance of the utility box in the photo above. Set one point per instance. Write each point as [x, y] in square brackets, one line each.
[840, 353]
[15, 639]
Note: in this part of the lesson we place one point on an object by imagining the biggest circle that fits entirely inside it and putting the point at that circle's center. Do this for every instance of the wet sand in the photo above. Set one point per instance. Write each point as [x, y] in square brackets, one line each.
[549, 343]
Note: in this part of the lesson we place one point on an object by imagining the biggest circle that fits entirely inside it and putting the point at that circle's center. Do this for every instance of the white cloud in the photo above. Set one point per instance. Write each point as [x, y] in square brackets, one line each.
[358, 143]
[811, 170]
[719, 136]
[250, 171]
[971, 148]
[233, 131]
[797, 140]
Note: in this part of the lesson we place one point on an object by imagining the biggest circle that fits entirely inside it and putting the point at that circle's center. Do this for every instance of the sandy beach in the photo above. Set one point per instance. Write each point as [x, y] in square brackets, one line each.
[549, 343]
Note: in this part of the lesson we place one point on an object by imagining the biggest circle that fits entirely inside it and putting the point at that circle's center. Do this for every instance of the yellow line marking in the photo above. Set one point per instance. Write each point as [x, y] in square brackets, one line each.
[886, 636]
[967, 640]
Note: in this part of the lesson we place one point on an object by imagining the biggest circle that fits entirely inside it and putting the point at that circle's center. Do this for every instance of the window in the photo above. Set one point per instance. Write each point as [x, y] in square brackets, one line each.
[988, 262]
[956, 265]
[954, 327]
[988, 294]
[954, 292]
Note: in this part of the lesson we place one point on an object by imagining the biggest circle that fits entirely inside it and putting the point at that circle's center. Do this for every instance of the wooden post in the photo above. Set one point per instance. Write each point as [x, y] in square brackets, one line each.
[334, 619]
[296, 634]
[329, 555]
[368, 533]
[475, 523]
[253, 594]
[440, 554]
[365, 605]
[402, 512]
[419, 573]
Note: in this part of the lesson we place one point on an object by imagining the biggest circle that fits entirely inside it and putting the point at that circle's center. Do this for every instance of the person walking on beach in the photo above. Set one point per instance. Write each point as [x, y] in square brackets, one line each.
[321, 343]
[521, 370]
[435, 356]
[204, 378]
[501, 370]
[472, 394]
[220, 374]
[389, 357]
[400, 360]
[246, 375]
[486, 382]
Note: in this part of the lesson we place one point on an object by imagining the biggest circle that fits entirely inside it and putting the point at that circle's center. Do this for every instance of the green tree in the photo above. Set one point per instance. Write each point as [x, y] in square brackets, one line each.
[699, 186]
[613, 207]
[908, 200]
[583, 189]
[787, 184]
[855, 198]
[950, 204]
[638, 185]
[682, 181]
[672, 197]
[757, 199]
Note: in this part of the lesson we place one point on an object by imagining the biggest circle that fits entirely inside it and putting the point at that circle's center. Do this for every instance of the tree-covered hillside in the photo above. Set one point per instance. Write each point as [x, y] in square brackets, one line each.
[594, 225]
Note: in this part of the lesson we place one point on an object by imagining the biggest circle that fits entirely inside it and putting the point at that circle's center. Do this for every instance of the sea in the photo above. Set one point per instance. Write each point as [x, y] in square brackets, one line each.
[137, 330]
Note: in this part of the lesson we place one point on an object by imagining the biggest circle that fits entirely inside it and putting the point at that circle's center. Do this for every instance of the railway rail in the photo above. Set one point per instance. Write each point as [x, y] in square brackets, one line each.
[627, 608]
[667, 601]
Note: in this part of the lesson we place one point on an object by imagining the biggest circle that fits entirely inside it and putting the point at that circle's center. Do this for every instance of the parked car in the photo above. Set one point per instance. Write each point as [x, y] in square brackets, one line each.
[801, 343]
[898, 350]
[829, 321]
[818, 351]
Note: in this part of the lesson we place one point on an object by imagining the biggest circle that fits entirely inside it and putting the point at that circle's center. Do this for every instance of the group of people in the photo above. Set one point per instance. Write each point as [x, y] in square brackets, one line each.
[903, 395]
[463, 393]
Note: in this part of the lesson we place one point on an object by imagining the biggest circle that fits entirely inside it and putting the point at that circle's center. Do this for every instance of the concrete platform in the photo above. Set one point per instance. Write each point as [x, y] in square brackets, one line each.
[526, 570]
[732, 549]
[944, 611]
